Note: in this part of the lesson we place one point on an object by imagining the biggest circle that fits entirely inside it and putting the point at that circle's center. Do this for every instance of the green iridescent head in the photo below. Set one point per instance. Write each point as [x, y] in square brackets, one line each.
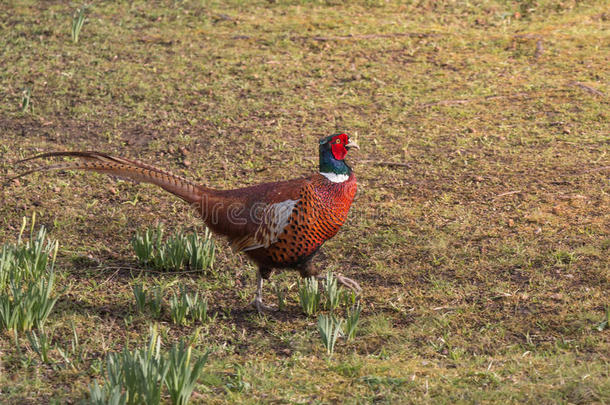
[333, 150]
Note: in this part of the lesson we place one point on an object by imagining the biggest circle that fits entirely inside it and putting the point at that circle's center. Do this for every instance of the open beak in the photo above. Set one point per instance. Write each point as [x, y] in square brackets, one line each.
[352, 144]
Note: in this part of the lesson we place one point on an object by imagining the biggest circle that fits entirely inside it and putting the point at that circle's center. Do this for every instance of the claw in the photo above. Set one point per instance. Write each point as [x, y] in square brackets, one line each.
[349, 283]
[257, 303]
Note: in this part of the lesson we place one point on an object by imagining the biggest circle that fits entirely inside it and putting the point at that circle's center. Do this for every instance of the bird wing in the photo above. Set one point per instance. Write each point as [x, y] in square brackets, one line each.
[273, 220]
[272, 216]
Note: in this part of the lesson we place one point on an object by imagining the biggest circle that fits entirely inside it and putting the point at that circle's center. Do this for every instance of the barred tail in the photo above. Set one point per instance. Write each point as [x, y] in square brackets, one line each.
[120, 167]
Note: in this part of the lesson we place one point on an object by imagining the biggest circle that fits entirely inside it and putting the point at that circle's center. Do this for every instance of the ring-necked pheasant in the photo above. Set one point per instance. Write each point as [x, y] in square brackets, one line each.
[278, 225]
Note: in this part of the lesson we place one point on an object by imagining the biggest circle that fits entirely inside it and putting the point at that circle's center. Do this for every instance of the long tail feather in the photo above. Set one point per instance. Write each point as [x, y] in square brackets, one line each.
[125, 168]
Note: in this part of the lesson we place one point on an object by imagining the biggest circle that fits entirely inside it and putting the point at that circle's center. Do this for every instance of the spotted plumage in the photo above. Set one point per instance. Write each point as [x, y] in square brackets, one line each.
[317, 216]
[277, 225]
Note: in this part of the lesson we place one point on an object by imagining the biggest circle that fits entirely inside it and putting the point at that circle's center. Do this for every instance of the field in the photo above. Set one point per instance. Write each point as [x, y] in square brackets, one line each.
[480, 231]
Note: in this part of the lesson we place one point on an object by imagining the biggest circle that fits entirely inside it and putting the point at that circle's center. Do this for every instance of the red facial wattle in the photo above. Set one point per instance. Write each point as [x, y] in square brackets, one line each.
[338, 146]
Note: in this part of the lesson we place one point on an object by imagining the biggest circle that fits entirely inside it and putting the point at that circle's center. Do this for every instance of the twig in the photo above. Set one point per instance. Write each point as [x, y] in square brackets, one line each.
[365, 36]
[138, 269]
[446, 102]
[111, 277]
[507, 193]
[588, 89]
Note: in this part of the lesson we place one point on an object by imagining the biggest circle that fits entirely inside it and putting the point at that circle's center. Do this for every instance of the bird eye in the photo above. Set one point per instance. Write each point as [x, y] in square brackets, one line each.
[338, 141]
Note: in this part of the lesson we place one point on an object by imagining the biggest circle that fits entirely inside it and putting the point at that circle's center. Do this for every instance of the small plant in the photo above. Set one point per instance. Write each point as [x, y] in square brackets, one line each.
[27, 260]
[238, 383]
[181, 376]
[351, 322]
[26, 280]
[101, 396]
[309, 296]
[179, 307]
[75, 353]
[140, 295]
[24, 307]
[151, 300]
[188, 306]
[138, 376]
[155, 302]
[78, 19]
[281, 297]
[172, 254]
[145, 244]
[199, 311]
[26, 95]
[178, 252]
[41, 345]
[140, 373]
[330, 329]
[563, 257]
[200, 251]
[333, 292]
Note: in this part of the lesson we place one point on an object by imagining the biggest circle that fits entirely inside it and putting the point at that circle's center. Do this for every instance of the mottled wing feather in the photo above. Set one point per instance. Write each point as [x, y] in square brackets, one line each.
[273, 221]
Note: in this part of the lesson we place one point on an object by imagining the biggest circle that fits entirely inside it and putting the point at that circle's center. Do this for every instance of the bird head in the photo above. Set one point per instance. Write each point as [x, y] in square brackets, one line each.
[333, 150]
[338, 145]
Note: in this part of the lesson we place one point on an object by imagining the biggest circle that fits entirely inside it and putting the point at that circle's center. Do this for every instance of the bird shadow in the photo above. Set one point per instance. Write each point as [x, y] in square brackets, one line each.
[122, 274]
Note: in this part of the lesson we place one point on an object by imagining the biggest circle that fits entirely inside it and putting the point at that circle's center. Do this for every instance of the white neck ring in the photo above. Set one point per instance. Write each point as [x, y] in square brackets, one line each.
[335, 178]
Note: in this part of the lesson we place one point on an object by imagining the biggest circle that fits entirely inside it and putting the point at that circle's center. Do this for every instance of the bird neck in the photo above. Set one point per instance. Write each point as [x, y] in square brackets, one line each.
[335, 170]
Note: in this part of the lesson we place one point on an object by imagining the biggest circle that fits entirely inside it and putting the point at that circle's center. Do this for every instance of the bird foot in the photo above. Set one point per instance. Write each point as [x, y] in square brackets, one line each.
[349, 283]
[257, 303]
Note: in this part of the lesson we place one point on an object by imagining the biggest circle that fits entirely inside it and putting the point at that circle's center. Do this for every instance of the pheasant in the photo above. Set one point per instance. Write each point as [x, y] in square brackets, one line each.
[278, 225]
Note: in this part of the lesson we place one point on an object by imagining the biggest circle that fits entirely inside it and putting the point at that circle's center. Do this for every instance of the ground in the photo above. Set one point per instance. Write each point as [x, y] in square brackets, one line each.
[480, 231]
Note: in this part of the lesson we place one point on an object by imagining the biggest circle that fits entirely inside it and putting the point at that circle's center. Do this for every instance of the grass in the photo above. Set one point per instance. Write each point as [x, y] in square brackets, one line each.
[26, 100]
[78, 19]
[479, 231]
[182, 377]
[139, 373]
[333, 292]
[330, 329]
[352, 320]
[309, 296]
[186, 307]
[138, 376]
[179, 251]
[27, 280]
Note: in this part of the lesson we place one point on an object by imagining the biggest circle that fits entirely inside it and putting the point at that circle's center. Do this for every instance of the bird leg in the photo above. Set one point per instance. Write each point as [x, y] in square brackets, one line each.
[347, 282]
[308, 270]
[257, 302]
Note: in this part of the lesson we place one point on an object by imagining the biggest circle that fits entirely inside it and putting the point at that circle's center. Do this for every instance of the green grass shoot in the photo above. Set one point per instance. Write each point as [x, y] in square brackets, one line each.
[26, 100]
[309, 295]
[333, 292]
[351, 321]
[330, 329]
[78, 19]
[178, 252]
